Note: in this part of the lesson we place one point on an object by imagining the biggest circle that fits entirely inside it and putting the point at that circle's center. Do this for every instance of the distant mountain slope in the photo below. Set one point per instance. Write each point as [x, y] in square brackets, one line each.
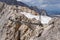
[19, 3]
[14, 2]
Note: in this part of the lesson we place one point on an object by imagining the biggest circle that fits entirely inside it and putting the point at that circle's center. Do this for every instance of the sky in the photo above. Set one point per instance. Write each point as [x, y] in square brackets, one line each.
[52, 6]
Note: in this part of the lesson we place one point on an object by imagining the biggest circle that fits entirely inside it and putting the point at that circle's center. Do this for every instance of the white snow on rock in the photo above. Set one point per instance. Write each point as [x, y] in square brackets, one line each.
[29, 15]
[44, 19]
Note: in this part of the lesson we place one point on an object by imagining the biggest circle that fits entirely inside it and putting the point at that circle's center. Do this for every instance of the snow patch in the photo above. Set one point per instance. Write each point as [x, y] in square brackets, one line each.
[29, 15]
[44, 19]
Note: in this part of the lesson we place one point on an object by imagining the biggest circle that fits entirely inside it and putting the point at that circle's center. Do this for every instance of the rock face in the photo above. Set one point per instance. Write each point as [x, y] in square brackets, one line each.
[16, 26]
[52, 32]
[12, 30]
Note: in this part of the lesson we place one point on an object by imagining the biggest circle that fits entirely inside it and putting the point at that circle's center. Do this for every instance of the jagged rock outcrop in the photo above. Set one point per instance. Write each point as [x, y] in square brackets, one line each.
[11, 30]
[14, 25]
[52, 32]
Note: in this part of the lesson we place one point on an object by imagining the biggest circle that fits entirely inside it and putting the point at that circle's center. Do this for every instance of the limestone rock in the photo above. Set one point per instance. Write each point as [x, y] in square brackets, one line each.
[16, 26]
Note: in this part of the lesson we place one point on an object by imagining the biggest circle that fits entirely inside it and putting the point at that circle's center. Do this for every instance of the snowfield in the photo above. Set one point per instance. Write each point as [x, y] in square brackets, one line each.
[44, 19]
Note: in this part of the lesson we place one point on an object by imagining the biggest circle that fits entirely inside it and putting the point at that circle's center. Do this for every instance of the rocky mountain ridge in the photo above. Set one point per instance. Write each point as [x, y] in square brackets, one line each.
[19, 3]
[12, 27]
[11, 31]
